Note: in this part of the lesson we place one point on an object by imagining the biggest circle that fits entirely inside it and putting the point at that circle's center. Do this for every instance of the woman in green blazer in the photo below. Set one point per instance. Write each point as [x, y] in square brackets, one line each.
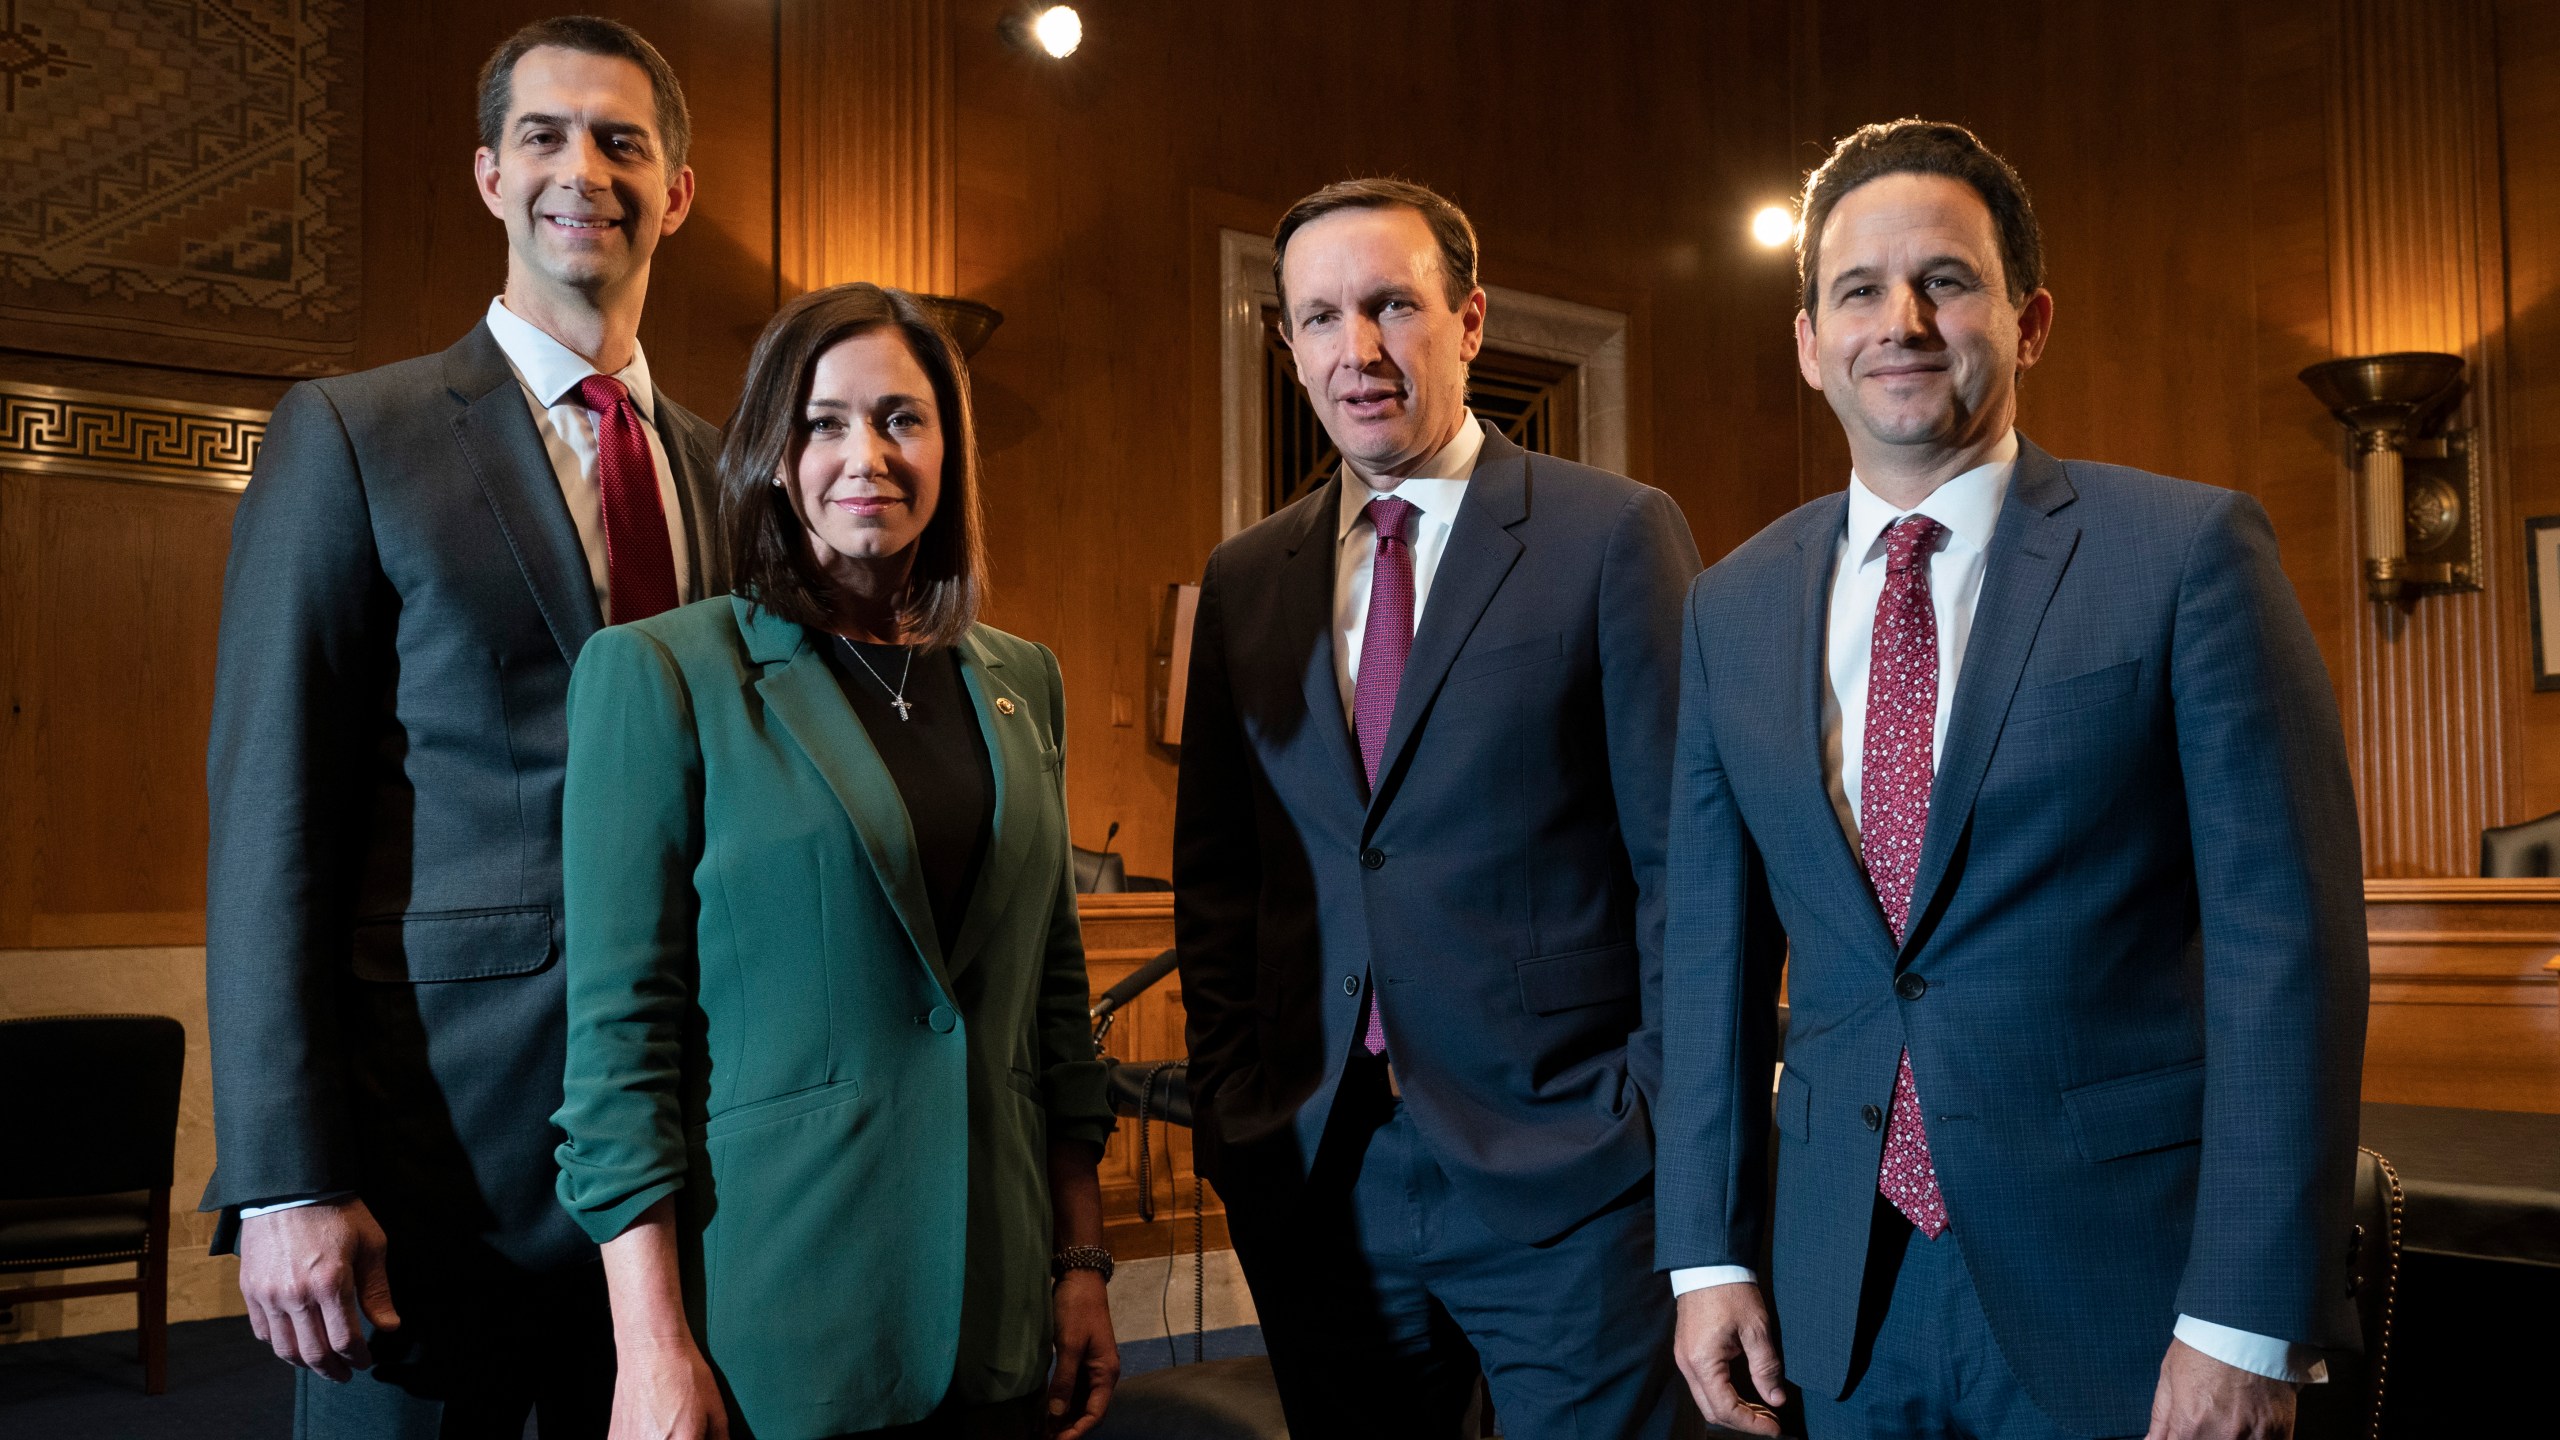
[832, 1108]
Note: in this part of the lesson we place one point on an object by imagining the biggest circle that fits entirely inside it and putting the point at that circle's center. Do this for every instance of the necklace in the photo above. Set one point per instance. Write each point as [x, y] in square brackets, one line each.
[897, 692]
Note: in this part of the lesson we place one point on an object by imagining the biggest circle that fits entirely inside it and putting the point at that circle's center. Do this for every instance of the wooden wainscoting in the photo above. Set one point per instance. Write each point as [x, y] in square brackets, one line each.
[1121, 933]
[2466, 993]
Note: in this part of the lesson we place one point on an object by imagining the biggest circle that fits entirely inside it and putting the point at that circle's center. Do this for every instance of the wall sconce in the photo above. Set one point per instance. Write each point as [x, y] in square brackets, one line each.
[970, 323]
[2420, 491]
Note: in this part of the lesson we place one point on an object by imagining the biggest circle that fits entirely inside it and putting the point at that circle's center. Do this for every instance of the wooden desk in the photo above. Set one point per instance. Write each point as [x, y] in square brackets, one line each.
[1121, 933]
[2466, 994]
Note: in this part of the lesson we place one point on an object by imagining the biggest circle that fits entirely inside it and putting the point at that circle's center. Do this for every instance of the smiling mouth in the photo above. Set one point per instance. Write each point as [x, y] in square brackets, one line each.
[866, 505]
[572, 222]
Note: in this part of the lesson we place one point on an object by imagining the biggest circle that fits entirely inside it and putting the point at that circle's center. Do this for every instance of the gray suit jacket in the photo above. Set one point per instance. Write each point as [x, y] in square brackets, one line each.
[405, 596]
[2133, 987]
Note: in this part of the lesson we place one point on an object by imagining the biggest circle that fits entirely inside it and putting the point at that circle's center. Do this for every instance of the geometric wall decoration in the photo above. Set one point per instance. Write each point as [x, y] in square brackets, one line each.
[46, 429]
[179, 181]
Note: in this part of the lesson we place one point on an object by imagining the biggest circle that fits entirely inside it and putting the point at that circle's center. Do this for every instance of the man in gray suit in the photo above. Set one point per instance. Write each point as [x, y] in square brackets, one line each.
[2029, 772]
[423, 551]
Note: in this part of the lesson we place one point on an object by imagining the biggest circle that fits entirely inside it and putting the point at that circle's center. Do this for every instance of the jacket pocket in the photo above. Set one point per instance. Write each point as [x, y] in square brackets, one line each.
[2078, 692]
[439, 945]
[780, 1107]
[1505, 657]
[2134, 1113]
[1550, 983]
[1793, 1110]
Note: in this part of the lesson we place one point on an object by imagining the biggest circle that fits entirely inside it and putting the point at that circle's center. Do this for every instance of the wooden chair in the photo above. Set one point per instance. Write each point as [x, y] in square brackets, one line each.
[87, 1145]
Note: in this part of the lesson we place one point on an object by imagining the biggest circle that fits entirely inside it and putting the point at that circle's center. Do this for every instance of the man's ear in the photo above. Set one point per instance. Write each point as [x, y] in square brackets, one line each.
[2035, 326]
[679, 201]
[1471, 321]
[484, 178]
[1806, 364]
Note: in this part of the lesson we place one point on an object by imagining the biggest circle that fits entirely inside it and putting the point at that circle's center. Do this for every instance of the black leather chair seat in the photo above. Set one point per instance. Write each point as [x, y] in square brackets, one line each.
[81, 1230]
[1213, 1400]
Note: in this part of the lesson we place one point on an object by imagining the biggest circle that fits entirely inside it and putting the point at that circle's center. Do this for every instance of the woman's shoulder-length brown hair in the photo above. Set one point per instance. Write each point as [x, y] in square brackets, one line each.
[770, 562]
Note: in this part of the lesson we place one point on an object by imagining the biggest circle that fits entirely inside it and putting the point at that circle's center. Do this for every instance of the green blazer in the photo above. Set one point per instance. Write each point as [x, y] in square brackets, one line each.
[855, 1124]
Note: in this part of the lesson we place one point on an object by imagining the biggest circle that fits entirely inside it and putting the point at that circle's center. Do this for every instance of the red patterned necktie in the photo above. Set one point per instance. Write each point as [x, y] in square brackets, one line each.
[1897, 766]
[1385, 643]
[639, 562]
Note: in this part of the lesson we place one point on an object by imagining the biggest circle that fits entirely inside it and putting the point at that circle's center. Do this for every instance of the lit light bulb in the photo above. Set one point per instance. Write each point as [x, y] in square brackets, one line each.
[1773, 225]
[1059, 30]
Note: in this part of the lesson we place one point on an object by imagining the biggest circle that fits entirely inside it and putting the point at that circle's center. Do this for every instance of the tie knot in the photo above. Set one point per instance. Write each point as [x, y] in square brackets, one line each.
[1391, 516]
[1908, 538]
[602, 393]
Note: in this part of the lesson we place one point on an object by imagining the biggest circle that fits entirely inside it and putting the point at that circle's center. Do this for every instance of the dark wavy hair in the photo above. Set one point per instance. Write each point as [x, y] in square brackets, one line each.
[588, 35]
[770, 561]
[1922, 147]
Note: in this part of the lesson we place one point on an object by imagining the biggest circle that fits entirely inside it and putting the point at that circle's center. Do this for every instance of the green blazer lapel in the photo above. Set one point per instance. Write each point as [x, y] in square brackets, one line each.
[1022, 763]
[802, 693]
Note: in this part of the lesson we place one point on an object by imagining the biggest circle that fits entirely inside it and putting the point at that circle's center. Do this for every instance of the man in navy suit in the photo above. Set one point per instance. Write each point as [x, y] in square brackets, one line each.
[2029, 772]
[1418, 875]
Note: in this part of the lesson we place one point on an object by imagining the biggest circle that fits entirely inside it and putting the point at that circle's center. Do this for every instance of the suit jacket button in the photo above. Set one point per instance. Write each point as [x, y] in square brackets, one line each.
[1350, 984]
[1910, 986]
[1374, 858]
[1873, 1116]
[942, 1019]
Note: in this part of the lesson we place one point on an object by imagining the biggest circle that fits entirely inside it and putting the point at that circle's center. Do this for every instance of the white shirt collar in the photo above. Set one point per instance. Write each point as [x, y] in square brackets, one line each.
[1968, 505]
[1436, 489]
[551, 370]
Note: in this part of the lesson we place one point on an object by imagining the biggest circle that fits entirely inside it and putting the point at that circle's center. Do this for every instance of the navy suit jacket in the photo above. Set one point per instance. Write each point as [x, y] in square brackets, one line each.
[1504, 884]
[2133, 987]
[405, 596]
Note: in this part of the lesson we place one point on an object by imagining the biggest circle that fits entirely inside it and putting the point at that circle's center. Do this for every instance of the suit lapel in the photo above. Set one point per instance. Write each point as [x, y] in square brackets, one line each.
[697, 481]
[801, 692]
[1306, 608]
[496, 432]
[1481, 552]
[2030, 548]
[1843, 874]
[1020, 765]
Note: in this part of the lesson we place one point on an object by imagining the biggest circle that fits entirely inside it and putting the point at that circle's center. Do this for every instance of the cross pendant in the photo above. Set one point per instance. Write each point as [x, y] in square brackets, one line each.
[904, 705]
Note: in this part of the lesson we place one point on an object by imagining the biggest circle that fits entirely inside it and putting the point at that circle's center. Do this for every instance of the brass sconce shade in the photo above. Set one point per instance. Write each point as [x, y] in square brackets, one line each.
[2419, 492]
[970, 323]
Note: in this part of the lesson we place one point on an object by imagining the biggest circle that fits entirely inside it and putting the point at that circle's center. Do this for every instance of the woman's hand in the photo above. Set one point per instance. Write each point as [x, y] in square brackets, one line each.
[1088, 1364]
[663, 1390]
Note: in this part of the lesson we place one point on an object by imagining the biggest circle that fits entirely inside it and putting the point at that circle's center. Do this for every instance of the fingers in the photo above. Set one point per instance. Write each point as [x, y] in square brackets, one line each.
[1102, 1376]
[1062, 1380]
[373, 1291]
[1768, 1372]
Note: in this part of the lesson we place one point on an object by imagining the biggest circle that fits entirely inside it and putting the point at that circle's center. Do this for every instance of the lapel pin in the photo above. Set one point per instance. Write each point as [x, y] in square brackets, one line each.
[1003, 706]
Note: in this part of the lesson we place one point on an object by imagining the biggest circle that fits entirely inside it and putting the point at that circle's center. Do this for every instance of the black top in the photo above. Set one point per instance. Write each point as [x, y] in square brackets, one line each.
[938, 756]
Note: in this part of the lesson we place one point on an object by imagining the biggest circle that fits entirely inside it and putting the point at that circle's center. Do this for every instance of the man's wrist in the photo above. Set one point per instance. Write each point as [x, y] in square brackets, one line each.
[1700, 1277]
[273, 1204]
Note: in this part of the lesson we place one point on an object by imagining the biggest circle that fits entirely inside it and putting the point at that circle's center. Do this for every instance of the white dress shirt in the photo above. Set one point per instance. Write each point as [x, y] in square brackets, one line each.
[549, 372]
[1969, 507]
[1436, 490]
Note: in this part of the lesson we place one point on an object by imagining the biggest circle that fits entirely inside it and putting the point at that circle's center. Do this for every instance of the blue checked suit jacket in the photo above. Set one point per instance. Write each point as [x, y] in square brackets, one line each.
[2138, 922]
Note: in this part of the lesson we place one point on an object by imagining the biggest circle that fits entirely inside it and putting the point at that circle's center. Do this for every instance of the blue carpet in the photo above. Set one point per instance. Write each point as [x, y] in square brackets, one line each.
[1137, 1357]
[223, 1385]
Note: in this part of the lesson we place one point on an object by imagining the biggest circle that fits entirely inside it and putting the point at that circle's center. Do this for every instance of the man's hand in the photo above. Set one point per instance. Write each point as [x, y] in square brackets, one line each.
[312, 1275]
[1088, 1358]
[2200, 1398]
[664, 1390]
[1717, 1326]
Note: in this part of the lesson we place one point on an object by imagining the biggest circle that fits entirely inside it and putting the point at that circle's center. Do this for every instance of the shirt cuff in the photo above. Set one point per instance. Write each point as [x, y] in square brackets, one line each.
[2257, 1354]
[1699, 1277]
[326, 1197]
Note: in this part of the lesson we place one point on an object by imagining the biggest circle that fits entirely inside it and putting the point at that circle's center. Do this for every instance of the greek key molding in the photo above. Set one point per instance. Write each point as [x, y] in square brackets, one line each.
[57, 431]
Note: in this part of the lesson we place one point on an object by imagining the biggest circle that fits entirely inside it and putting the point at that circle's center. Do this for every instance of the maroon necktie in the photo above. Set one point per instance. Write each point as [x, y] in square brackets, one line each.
[1897, 766]
[639, 562]
[1385, 643]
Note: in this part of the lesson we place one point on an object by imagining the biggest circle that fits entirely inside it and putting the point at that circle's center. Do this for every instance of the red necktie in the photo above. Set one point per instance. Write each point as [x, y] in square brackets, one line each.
[639, 562]
[1897, 766]
[1385, 643]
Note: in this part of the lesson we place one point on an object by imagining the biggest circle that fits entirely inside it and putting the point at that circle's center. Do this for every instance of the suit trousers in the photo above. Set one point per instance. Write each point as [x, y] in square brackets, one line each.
[481, 1345]
[1382, 1297]
[1925, 1365]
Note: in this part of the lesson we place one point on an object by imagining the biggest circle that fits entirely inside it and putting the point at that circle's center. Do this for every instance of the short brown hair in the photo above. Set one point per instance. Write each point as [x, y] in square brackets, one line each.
[588, 35]
[1448, 224]
[1922, 147]
[769, 558]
